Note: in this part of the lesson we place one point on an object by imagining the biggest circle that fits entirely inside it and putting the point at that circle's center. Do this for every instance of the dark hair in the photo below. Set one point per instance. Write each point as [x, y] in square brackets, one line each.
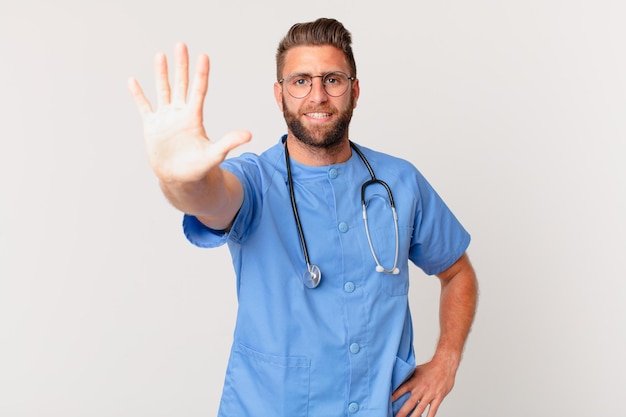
[320, 32]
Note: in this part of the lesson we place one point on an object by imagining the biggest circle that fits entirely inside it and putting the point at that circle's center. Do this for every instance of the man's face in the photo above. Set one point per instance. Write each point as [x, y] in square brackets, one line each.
[318, 119]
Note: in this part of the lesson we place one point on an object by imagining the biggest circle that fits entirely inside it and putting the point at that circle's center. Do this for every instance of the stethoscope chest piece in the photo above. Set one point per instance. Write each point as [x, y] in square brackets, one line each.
[312, 276]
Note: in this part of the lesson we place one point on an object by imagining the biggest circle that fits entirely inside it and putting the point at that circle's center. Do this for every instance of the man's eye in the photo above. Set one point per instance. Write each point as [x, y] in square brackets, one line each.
[334, 79]
[300, 81]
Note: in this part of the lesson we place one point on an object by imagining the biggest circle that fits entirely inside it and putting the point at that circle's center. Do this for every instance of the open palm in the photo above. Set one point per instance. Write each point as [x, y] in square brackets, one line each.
[178, 148]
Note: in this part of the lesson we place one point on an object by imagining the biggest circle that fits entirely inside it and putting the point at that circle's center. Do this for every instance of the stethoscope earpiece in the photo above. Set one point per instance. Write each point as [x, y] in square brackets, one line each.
[394, 271]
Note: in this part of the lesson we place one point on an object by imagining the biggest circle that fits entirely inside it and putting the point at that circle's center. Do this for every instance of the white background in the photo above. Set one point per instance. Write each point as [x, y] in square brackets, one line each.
[514, 110]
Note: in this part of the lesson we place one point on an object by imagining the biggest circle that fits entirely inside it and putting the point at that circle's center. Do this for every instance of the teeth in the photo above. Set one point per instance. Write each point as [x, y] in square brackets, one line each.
[318, 115]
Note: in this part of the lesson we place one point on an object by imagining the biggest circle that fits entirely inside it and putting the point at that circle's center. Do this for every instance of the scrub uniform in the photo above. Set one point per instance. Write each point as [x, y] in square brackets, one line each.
[342, 348]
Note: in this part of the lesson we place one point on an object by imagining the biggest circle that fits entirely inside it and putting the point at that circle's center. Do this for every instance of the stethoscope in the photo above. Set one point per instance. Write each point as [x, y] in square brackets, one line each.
[313, 276]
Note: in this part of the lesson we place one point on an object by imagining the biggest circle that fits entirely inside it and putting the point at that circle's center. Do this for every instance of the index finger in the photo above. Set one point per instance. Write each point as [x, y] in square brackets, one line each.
[200, 84]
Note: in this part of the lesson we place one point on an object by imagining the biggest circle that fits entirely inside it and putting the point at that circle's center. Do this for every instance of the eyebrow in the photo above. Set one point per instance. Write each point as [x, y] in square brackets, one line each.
[309, 75]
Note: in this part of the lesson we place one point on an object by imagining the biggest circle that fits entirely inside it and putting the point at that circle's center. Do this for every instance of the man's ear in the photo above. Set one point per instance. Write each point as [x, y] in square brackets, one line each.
[356, 91]
[278, 95]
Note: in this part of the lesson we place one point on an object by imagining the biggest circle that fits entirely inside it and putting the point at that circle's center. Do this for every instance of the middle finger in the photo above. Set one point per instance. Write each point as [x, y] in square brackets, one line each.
[181, 77]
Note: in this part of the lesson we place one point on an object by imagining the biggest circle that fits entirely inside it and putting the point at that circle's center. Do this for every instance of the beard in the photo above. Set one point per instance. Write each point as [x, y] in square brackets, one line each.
[321, 137]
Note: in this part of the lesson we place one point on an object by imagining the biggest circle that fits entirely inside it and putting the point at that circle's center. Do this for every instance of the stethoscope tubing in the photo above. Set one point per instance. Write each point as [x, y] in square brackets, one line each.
[312, 276]
[374, 180]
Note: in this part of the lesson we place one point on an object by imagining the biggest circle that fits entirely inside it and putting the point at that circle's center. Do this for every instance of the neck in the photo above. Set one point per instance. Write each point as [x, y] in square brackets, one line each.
[318, 156]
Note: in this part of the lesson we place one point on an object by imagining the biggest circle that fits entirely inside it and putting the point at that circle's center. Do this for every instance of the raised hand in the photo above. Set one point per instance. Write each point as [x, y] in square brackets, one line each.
[179, 150]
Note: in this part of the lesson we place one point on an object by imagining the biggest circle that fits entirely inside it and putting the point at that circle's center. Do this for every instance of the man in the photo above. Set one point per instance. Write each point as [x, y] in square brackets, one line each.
[323, 325]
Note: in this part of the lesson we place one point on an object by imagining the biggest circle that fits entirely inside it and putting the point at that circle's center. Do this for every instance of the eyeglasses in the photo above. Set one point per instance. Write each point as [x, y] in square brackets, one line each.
[335, 84]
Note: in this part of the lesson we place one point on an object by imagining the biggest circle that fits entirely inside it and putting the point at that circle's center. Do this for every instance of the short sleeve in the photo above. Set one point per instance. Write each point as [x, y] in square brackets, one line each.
[439, 239]
[245, 168]
[202, 236]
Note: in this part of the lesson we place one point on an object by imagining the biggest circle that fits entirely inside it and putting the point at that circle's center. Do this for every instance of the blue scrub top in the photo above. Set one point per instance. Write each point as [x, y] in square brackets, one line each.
[342, 348]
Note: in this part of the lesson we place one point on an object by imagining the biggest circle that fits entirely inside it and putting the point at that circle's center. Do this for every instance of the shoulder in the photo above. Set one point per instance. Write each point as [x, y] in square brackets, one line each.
[390, 164]
[258, 172]
[398, 172]
[249, 163]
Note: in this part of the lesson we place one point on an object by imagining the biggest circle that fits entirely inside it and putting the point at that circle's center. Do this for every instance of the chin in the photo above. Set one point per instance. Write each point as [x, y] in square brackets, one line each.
[320, 138]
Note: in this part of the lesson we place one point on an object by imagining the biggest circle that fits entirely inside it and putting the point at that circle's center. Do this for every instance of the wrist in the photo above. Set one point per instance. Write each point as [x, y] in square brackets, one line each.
[448, 357]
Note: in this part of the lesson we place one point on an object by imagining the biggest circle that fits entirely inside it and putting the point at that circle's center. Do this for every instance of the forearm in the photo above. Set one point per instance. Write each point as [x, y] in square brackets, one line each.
[432, 381]
[459, 293]
[214, 200]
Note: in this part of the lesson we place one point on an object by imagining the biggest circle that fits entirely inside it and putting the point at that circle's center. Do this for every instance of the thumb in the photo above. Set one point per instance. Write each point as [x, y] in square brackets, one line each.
[231, 140]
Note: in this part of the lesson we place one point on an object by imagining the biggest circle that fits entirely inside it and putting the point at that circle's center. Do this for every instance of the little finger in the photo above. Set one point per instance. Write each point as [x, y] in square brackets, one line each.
[143, 105]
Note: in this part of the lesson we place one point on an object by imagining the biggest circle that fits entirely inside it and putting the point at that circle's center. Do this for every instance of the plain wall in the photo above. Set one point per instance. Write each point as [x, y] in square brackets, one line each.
[514, 110]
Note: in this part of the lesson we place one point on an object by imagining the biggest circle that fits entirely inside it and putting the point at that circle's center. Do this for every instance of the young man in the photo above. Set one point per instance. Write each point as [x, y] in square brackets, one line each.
[321, 231]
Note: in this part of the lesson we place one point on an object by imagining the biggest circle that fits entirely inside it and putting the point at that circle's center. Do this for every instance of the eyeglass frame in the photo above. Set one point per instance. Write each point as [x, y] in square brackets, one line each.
[323, 76]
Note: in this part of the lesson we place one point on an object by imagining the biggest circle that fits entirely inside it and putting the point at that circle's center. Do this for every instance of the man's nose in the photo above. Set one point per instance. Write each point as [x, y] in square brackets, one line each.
[318, 92]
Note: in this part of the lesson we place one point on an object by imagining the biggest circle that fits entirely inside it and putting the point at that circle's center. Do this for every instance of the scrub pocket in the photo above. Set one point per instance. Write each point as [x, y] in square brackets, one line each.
[401, 372]
[384, 242]
[395, 285]
[261, 385]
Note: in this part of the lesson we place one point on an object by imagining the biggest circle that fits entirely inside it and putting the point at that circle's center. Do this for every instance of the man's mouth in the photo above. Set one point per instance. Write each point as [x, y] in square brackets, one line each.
[318, 115]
